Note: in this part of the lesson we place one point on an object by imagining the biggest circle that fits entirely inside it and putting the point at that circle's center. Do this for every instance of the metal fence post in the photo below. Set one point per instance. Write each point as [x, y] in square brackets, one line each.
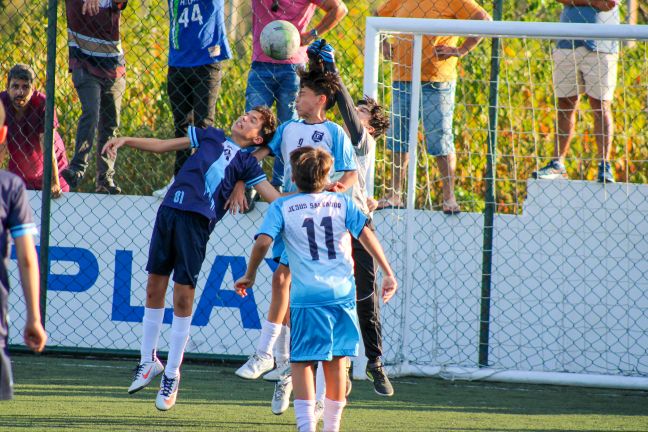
[489, 210]
[48, 153]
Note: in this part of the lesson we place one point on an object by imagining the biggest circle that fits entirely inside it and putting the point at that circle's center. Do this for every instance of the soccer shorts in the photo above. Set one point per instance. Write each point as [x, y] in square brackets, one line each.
[6, 380]
[323, 332]
[178, 245]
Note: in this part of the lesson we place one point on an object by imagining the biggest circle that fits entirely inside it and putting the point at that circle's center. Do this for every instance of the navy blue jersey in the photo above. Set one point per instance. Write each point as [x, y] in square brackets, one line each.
[197, 33]
[207, 178]
[15, 219]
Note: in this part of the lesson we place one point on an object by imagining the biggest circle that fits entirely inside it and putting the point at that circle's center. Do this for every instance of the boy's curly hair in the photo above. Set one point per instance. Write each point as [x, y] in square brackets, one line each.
[321, 83]
[379, 119]
[269, 123]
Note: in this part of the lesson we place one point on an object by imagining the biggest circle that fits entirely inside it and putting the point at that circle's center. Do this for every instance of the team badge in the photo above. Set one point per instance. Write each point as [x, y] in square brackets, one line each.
[317, 136]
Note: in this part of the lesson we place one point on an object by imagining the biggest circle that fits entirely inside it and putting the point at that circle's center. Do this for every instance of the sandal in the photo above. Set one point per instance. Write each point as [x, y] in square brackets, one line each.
[387, 203]
[451, 207]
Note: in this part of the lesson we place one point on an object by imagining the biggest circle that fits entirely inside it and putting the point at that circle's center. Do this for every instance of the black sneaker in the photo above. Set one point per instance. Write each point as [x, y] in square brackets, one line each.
[376, 373]
[251, 197]
[71, 176]
[108, 189]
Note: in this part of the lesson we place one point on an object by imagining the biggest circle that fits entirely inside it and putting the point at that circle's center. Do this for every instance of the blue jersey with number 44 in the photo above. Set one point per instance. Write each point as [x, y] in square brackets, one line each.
[317, 229]
[207, 178]
[197, 33]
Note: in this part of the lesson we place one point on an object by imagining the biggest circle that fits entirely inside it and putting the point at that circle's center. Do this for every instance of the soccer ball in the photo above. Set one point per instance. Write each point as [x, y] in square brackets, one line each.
[280, 40]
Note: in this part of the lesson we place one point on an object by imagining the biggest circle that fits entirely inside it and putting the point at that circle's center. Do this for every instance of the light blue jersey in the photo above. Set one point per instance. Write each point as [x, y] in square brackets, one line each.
[316, 229]
[328, 136]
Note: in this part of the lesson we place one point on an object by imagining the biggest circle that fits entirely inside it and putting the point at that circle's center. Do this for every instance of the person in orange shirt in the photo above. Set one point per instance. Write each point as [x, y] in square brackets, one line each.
[438, 84]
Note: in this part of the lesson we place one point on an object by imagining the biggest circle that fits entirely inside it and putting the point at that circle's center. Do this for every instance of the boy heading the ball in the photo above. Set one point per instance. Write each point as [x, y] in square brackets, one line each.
[195, 202]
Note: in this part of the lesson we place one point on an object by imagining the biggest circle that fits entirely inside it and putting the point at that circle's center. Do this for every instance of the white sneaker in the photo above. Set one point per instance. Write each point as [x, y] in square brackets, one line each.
[283, 368]
[166, 397]
[161, 193]
[254, 367]
[319, 411]
[144, 374]
[281, 395]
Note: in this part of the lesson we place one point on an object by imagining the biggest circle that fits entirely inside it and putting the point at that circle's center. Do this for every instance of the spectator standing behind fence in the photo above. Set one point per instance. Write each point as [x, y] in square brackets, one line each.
[271, 80]
[16, 219]
[438, 84]
[588, 66]
[98, 72]
[197, 45]
[25, 121]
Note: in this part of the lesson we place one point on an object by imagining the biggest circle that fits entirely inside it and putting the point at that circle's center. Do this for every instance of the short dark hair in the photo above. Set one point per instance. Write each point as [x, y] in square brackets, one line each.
[321, 83]
[2, 115]
[269, 122]
[379, 119]
[22, 72]
[310, 168]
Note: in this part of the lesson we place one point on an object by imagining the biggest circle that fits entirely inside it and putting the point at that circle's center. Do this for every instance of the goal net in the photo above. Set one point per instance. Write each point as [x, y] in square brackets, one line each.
[536, 279]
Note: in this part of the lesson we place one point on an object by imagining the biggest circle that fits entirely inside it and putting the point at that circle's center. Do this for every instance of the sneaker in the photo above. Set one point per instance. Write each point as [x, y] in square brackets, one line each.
[283, 368]
[144, 374]
[281, 395]
[108, 188]
[254, 367]
[554, 170]
[161, 193]
[71, 177]
[605, 173]
[376, 373]
[166, 397]
[349, 383]
[319, 411]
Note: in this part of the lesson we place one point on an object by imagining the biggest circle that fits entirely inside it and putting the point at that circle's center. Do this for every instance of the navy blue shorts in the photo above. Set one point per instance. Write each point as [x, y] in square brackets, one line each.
[178, 245]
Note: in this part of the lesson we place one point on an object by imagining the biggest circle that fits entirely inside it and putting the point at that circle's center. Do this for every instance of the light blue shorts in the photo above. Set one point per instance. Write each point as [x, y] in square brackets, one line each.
[437, 109]
[320, 333]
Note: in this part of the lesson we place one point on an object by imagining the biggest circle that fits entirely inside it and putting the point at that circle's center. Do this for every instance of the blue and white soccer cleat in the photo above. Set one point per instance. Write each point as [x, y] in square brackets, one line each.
[166, 397]
[144, 374]
[254, 367]
[281, 395]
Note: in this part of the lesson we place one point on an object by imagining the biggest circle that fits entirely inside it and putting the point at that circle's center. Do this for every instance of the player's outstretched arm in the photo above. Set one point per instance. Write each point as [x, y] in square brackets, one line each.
[348, 179]
[34, 334]
[370, 242]
[267, 191]
[261, 246]
[236, 201]
[153, 145]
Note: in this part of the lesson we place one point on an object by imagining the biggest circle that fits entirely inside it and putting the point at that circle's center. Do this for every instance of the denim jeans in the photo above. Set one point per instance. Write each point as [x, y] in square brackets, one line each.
[269, 83]
[100, 110]
[437, 110]
[192, 90]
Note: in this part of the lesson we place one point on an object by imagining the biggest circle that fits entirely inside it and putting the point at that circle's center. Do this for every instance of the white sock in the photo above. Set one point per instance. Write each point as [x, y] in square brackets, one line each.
[320, 383]
[269, 334]
[179, 336]
[305, 415]
[332, 415]
[151, 328]
[282, 348]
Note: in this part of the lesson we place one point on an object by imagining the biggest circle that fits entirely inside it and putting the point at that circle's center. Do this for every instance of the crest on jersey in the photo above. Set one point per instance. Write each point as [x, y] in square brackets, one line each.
[228, 153]
[317, 136]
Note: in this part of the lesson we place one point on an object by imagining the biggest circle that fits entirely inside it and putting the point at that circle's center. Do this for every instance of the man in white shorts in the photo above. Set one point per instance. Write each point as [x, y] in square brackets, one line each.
[590, 67]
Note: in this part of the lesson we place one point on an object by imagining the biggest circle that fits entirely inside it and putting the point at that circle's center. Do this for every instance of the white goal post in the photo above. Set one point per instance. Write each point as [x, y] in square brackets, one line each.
[597, 372]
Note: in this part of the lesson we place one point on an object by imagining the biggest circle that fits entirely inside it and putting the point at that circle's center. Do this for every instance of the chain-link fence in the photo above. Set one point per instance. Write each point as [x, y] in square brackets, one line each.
[551, 263]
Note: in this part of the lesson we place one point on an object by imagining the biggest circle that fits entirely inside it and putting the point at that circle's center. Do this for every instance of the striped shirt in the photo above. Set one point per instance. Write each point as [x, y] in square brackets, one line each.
[93, 41]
